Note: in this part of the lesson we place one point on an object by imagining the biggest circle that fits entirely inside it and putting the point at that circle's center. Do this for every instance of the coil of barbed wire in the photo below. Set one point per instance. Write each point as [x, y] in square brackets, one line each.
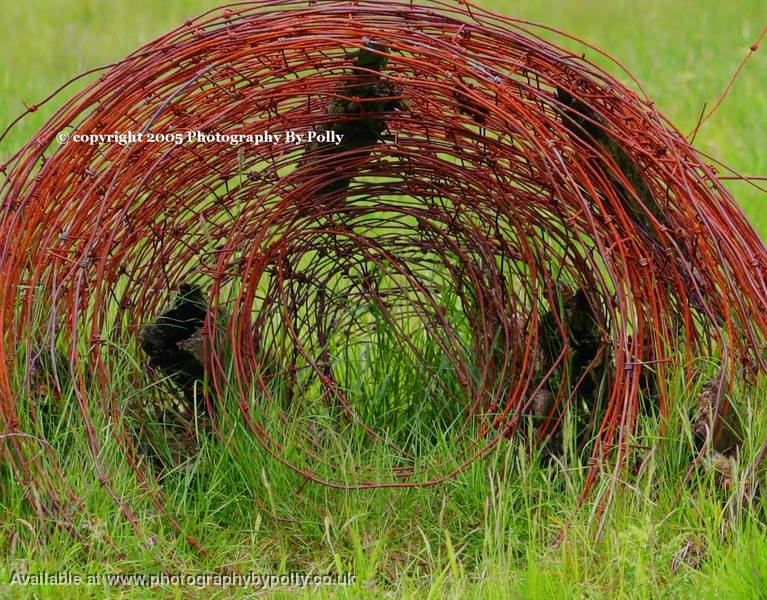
[482, 227]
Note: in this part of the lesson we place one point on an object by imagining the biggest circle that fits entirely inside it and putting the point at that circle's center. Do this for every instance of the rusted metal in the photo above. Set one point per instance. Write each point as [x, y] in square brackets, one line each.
[505, 190]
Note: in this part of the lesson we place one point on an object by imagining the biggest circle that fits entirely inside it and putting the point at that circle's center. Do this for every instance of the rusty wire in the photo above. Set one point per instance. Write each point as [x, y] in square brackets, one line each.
[515, 170]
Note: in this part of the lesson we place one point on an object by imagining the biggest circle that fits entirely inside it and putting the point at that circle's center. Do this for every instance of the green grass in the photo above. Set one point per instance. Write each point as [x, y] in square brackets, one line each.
[489, 532]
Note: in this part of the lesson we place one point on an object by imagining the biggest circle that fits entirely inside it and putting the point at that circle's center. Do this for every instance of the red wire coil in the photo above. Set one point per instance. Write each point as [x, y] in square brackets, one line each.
[515, 167]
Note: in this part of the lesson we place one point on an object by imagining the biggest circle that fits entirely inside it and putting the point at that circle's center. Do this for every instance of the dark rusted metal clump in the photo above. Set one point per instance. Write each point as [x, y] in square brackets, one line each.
[502, 225]
[169, 341]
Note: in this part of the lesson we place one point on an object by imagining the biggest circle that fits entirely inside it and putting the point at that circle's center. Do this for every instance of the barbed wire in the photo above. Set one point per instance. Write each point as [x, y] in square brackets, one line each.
[522, 228]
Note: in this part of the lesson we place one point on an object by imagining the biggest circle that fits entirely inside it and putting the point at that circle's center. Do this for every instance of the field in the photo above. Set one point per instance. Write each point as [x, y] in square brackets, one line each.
[488, 533]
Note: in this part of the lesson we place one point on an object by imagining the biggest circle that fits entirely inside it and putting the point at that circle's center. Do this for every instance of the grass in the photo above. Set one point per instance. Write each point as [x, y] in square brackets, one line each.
[489, 532]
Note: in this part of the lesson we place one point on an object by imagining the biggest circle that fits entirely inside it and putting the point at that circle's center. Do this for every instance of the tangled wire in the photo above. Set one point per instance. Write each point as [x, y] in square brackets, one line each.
[476, 227]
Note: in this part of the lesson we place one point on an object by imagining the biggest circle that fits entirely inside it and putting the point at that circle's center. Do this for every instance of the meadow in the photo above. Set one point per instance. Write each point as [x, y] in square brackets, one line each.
[489, 532]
